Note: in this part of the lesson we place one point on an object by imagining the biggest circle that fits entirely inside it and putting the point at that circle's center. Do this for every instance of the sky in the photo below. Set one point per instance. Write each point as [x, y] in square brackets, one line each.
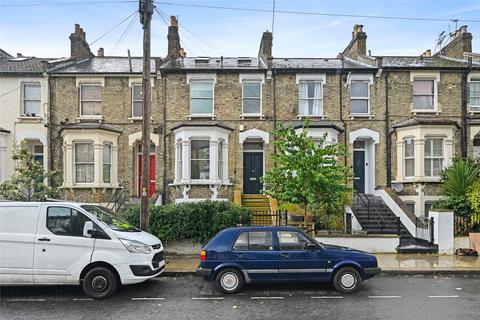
[43, 30]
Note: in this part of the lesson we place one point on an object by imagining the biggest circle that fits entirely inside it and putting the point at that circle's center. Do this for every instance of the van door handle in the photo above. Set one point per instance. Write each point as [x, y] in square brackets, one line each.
[44, 239]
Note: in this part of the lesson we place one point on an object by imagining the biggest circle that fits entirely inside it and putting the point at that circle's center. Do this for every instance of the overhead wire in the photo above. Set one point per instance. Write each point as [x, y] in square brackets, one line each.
[51, 4]
[113, 28]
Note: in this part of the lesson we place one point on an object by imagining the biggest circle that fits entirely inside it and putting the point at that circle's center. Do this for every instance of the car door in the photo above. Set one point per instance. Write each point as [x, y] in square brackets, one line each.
[256, 252]
[61, 250]
[297, 260]
[17, 236]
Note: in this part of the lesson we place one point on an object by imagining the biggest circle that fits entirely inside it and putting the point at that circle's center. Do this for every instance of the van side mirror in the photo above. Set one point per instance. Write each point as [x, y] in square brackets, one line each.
[88, 229]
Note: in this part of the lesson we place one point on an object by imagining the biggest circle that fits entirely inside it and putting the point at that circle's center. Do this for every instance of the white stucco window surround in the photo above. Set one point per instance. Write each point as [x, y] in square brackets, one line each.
[197, 155]
[423, 91]
[310, 94]
[370, 139]
[473, 104]
[254, 134]
[441, 152]
[94, 141]
[202, 94]
[360, 100]
[3, 154]
[252, 94]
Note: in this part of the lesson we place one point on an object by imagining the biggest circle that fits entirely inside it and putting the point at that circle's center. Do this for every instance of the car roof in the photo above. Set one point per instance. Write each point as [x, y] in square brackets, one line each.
[264, 228]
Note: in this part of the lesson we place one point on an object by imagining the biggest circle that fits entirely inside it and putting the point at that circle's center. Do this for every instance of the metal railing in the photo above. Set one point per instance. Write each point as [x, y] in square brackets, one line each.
[464, 225]
[118, 198]
[372, 212]
[424, 229]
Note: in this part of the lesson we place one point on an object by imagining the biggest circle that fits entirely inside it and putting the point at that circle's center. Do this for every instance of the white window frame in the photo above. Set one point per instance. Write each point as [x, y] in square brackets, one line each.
[81, 85]
[23, 85]
[197, 159]
[209, 77]
[474, 108]
[88, 163]
[220, 159]
[405, 158]
[260, 98]
[133, 99]
[432, 157]
[300, 98]
[435, 76]
[360, 98]
[108, 163]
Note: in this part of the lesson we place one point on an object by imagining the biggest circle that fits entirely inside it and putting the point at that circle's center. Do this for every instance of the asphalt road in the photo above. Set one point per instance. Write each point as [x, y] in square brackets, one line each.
[385, 297]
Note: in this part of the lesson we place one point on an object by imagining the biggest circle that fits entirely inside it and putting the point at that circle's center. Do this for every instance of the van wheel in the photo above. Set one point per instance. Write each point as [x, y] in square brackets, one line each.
[229, 281]
[100, 283]
[347, 280]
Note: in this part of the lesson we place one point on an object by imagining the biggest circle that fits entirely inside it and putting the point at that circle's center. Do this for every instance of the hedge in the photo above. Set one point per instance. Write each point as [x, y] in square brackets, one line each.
[198, 221]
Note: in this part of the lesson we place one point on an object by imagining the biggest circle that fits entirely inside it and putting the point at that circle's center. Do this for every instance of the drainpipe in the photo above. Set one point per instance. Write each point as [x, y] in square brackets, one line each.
[274, 80]
[49, 126]
[388, 135]
[164, 129]
[464, 140]
[340, 85]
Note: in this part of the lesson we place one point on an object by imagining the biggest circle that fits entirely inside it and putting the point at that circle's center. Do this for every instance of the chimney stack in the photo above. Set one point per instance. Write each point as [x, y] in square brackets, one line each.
[19, 55]
[174, 49]
[266, 44]
[79, 48]
[358, 45]
[460, 42]
[100, 52]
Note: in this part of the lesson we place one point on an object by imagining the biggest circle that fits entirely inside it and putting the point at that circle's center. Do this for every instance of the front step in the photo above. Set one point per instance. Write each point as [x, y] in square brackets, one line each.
[418, 249]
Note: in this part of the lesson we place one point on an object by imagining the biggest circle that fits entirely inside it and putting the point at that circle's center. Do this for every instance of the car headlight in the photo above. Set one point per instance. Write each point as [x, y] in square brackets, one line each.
[135, 246]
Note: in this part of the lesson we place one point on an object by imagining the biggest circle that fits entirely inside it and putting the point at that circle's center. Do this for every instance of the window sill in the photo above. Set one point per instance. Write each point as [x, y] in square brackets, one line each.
[30, 118]
[91, 186]
[201, 182]
[192, 116]
[252, 115]
[418, 180]
[138, 119]
[476, 111]
[414, 112]
[306, 116]
[361, 115]
[89, 118]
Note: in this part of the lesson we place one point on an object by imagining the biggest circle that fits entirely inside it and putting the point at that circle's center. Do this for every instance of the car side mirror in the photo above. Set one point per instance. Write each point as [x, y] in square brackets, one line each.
[311, 246]
[88, 229]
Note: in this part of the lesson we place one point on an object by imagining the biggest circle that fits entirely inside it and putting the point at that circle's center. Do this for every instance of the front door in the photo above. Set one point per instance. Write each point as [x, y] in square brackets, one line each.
[151, 189]
[61, 251]
[252, 172]
[359, 167]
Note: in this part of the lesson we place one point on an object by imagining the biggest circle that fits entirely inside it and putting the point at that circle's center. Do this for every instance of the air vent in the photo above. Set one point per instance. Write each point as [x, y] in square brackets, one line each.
[244, 60]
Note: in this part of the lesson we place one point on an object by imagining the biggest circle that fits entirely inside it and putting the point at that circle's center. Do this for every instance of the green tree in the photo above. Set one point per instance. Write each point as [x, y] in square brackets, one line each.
[28, 180]
[307, 172]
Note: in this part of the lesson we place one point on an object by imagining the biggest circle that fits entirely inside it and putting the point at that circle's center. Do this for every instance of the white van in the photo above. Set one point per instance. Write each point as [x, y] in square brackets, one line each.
[74, 243]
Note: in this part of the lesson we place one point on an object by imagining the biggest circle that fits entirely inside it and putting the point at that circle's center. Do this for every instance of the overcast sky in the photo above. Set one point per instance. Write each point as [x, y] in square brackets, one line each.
[43, 31]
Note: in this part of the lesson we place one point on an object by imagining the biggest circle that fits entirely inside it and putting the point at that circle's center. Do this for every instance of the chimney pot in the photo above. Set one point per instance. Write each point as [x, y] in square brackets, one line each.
[19, 55]
[173, 21]
[428, 53]
[463, 29]
[100, 52]
[77, 28]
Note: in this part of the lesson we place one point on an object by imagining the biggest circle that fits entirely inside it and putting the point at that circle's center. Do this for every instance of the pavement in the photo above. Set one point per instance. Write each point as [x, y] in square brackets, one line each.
[403, 297]
[390, 264]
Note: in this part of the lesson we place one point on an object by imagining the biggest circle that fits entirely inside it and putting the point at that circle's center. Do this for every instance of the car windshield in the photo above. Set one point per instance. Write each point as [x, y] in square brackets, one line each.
[111, 219]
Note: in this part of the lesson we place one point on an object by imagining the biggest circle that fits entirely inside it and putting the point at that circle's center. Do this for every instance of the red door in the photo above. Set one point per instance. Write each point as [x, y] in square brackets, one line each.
[151, 189]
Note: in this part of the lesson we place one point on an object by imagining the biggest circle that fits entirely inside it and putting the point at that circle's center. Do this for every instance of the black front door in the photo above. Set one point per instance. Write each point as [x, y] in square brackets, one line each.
[252, 171]
[359, 170]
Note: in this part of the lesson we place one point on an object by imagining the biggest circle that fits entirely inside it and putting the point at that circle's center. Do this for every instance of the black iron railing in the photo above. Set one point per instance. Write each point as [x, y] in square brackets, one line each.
[118, 198]
[372, 212]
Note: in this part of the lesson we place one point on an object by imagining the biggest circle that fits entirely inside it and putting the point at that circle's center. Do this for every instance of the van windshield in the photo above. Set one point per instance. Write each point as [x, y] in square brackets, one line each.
[111, 219]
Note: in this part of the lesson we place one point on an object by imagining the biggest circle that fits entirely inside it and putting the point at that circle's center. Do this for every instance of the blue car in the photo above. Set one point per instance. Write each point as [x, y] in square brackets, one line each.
[242, 255]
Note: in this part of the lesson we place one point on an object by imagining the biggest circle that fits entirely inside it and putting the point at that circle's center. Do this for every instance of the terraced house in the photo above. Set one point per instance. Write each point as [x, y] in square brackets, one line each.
[403, 119]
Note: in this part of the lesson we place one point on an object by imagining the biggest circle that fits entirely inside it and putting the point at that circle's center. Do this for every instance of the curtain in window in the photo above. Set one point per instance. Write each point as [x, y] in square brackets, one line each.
[433, 161]
[303, 107]
[409, 153]
[317, 95]
[423, 94]
[310, 98]
[200, 159]
[91, 98]
[137, 104]
[31, 98]
[84, 165]
[107, 163]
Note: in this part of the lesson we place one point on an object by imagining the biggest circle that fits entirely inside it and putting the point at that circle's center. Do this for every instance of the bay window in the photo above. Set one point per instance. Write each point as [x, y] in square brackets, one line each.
[84, 162]
[200, 159]
[220, 160]
[409, 157]
[310, 101]
[360, 97]
[433, 157]
[107, 163]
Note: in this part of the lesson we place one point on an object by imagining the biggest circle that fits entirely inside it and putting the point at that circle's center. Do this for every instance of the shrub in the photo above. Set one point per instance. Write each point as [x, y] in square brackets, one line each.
[198, 221]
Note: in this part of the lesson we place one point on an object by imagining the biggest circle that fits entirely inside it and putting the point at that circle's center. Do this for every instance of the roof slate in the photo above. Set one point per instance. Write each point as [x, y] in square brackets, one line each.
[422, 62]
[28, 65]
[414, 121]
[91, 125]
[105, 65]
[219, 63]
[317, 63]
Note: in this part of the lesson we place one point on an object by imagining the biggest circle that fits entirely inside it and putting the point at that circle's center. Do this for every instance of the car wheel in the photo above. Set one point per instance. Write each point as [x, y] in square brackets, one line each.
[100, 283]
[229, 281]
[347, 280]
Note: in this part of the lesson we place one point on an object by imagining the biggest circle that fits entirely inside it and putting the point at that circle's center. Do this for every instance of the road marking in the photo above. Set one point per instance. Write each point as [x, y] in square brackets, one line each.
[26, 300]
[147, 299]
[444, 296]
[208, 298]
[266, 298]
[384, 297]
[82, 299]
[327, 297]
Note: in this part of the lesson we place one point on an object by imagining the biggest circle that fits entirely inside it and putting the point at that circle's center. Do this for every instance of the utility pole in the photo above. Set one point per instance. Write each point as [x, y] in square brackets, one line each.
[146, 11]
